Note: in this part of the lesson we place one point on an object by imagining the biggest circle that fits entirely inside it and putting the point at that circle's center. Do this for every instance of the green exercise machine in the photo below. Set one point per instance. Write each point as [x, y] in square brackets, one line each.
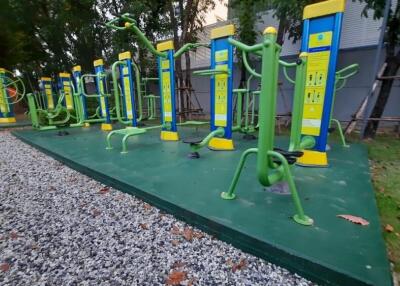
[12, 91]
[273, 164]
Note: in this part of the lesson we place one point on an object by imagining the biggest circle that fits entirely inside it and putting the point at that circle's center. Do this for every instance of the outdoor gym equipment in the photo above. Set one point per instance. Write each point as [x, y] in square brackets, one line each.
[221, 98]
[151, 98]
[100, 79]
[42, 116]
[45, 99]
[12, 91]
[321, 35]
[273, 165]
[165, 58]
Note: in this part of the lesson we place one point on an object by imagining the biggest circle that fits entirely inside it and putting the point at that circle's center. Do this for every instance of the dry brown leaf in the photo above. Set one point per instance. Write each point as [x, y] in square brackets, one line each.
[104, 190]
[147, 207]
[14, 235]
[175, 278]
[389, 228]
[175, 242]
[191, 282]
[96, 212]
[143, 226]
[381, 190]
[241, 265]
[198, 235]
[354, 219]
[4, 267]
[175, 230]
[188, 234]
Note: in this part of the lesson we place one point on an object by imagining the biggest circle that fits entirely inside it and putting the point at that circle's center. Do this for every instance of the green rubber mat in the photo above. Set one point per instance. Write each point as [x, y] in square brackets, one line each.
[333, 251]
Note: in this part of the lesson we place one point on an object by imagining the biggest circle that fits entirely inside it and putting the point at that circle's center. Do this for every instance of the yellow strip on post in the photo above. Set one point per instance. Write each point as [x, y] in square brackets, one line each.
[221, 144]
[76, 68]
[224, 31]
[2, 70]
[169, 136]
[313, 159]
[98, 62]
[165, 46]
[106, 127]
[45, 78]
[324, 8]
[8, 119]
[64, 74]
[124, 56]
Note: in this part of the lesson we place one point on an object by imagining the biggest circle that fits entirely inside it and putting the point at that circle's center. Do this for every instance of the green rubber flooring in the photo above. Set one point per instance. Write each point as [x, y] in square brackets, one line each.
[331, 252]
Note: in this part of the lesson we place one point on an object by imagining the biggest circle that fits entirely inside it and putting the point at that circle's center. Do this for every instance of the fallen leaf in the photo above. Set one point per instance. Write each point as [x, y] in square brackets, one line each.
[96, 212]
[389, 228]
[175, 242]
[175, 230]
[354, 219]
[188, 234]
[241, 265]
[175, 278]
[14, 235]
[147, 207]
[143, 226]
[178, 264]
[191, 282]
[104, 190]
[198, 235]
[4, 267]
[381, 190]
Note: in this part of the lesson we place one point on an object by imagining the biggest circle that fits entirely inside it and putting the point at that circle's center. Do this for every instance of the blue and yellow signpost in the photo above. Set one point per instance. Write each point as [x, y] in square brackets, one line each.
[321, 37]
[6, 111]
[221, 87]
[66, 88]
[46, 89]
[167, 91]
[127, 88]
[77, 74]
[101, 91]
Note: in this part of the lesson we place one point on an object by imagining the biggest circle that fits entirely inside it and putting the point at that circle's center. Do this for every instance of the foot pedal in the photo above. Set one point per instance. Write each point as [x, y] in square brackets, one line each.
[194, 155]
[192, 141]
[62, 133]
[249, 137]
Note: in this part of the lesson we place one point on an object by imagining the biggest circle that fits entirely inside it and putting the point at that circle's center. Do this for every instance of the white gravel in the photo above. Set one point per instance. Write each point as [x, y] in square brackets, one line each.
[59, 227]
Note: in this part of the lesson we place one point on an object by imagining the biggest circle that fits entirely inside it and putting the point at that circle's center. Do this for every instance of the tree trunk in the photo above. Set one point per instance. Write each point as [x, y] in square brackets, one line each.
[393, 65]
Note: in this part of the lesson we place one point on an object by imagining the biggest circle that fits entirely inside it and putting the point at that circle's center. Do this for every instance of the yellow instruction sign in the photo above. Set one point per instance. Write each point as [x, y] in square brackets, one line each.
[166, 92]
[128, 94]
[317, 74]
[221, 90]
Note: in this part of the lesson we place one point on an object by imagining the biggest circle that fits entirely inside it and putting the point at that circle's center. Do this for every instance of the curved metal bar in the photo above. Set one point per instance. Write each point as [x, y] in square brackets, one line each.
[246, 64]
[189, 46]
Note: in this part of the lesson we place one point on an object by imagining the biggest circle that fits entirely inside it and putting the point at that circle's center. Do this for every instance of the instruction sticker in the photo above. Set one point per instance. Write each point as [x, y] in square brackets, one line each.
[166, 92]
[49, 96]
[3, 99]
[221, 97]
[128, 94]
[68, 95]
[317, 74]
[102, 99]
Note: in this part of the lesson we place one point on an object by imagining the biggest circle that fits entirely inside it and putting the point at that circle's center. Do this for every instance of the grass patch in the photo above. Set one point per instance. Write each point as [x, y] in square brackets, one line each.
[384, 155]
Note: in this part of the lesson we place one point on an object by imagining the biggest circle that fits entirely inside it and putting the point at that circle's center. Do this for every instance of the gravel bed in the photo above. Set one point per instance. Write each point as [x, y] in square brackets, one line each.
[59, 227]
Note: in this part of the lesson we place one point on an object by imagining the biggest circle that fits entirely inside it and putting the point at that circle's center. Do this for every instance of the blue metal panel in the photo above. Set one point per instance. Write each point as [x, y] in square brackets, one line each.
[10, 113]
[128, 63]
[171, 69]
[221, 44]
